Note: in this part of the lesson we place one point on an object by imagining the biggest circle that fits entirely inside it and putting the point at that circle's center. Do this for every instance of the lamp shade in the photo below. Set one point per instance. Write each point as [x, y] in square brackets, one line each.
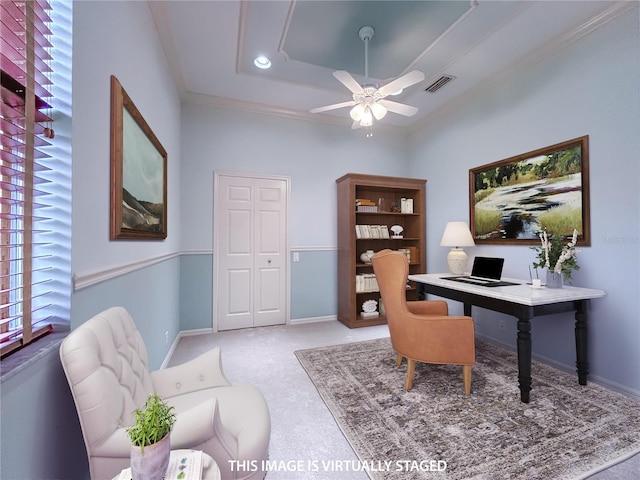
[457, 234]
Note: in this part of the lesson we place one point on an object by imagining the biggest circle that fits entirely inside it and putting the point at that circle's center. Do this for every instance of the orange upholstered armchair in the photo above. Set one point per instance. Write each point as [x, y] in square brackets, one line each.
[422, 331]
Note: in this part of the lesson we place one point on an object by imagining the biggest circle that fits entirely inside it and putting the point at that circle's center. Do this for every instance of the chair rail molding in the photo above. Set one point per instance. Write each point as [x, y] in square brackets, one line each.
[86, 279]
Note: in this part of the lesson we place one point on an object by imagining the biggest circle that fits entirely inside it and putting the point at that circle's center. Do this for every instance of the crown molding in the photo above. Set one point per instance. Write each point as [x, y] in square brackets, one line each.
[263, 109]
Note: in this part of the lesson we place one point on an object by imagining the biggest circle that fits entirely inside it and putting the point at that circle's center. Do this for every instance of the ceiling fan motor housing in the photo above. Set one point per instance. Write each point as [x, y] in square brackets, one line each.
[370, 95]
[366, 33]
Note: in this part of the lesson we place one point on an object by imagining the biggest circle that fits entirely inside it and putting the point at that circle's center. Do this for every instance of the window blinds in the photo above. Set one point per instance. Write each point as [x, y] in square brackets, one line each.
[26, 128]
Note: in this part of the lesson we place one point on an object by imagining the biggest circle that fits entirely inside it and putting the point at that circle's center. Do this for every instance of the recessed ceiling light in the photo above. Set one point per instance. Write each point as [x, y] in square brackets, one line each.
[262, 62]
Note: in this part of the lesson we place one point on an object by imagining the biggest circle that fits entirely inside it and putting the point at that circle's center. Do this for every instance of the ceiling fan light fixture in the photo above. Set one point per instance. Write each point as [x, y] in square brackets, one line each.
[378, 110]
[367, 118]
[357, 112]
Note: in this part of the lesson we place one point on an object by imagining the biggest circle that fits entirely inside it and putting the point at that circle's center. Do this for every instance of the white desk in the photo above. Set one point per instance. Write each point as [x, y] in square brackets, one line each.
[523, 302]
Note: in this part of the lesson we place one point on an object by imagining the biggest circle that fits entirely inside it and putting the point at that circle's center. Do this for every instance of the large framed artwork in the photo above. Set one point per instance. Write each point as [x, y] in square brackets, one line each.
[138, 173]
[511, 201]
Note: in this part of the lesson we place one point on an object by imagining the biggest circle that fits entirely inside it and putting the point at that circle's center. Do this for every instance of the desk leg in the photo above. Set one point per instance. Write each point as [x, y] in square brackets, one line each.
[524, 358]
[582, 361]
[422, 295]
[467, 309]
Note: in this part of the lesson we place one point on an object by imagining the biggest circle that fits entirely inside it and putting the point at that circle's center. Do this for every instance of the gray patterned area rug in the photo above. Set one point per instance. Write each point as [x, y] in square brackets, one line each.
[567, 431]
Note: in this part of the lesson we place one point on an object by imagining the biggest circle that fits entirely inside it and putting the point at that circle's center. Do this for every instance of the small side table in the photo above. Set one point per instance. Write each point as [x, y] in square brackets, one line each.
[210, 469]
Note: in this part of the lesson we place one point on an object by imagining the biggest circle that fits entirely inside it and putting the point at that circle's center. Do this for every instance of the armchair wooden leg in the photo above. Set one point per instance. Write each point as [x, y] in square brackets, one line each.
[411, 366]
[399, 360]
[466, 378]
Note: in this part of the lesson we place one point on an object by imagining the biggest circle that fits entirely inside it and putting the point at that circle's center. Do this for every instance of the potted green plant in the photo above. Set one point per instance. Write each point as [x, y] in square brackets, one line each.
[149, 435]
[558, 256]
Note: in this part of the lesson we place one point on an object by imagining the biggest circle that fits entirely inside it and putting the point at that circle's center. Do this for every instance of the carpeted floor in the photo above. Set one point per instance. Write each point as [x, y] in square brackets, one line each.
[568, 431]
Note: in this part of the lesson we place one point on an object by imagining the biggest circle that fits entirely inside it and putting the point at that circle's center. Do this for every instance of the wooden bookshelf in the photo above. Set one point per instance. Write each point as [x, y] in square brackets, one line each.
[380, 194]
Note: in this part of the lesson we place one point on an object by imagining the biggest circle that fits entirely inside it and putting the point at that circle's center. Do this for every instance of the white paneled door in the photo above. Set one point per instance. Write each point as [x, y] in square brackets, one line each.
[250, 241]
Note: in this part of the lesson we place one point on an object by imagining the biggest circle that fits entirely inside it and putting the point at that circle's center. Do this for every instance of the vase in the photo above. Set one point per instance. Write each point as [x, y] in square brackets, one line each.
[366, 256]
[554, 280]
[152, 462]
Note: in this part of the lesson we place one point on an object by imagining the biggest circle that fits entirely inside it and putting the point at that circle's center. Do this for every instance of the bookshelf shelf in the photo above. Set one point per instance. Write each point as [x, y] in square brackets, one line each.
[359, 231]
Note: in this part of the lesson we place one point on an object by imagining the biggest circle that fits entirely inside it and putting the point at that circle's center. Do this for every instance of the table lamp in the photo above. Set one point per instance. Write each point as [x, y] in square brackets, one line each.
[457, 235]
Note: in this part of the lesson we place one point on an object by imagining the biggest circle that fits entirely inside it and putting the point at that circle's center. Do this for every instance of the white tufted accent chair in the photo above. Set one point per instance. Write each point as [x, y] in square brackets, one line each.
[106, 364]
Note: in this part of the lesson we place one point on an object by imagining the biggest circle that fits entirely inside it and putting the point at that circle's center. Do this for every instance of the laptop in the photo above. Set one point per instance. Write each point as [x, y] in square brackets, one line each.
[485, 271]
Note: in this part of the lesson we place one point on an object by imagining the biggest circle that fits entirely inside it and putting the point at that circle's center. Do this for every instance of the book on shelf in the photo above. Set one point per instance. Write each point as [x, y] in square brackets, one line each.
[381, 307]
[372, 231]
[366, 282]
[411, 253]
[406, 205]
[363, 231]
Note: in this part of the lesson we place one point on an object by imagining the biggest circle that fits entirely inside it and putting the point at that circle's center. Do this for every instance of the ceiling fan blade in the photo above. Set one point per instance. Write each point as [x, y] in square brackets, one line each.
[402, 82]
[401, 108]
[350, 103]
[348, 81]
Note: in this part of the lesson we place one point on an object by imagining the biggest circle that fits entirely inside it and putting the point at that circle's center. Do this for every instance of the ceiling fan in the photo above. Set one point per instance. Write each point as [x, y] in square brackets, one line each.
[369, 101]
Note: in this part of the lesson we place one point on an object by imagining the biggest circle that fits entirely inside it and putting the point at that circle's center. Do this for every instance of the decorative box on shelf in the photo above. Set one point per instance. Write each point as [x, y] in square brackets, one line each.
[365, 205]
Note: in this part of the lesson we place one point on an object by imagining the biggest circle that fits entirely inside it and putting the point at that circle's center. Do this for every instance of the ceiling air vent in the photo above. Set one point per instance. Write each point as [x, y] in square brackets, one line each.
[439, 83]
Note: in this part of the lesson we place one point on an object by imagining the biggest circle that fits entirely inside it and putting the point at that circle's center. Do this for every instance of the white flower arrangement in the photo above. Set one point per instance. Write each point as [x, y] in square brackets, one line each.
[554, 251]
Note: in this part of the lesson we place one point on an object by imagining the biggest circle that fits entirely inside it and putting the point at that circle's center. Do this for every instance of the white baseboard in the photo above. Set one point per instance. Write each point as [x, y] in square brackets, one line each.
[182, 333]
[172, 349]
[302, 321]
[199, 331]
[616, 387]
[603, 382]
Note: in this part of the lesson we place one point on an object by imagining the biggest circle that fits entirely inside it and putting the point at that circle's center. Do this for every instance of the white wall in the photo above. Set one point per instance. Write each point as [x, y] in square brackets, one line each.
[589, 88]
[120, 38]
[314, 155]
[117, 38]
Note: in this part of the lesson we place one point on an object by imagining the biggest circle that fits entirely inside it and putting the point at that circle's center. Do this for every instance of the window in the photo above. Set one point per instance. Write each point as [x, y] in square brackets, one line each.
[29, 197]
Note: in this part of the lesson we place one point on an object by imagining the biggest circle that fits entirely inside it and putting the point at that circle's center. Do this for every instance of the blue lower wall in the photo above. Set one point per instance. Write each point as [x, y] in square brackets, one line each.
[41, 437]
[49, 445]
[151, 295]
[313, 284]
[196, 291]
[313, 287]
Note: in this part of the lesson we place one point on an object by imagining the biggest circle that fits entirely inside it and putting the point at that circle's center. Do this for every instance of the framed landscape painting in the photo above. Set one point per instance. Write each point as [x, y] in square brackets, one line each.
[513, 200]
[138, 173]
